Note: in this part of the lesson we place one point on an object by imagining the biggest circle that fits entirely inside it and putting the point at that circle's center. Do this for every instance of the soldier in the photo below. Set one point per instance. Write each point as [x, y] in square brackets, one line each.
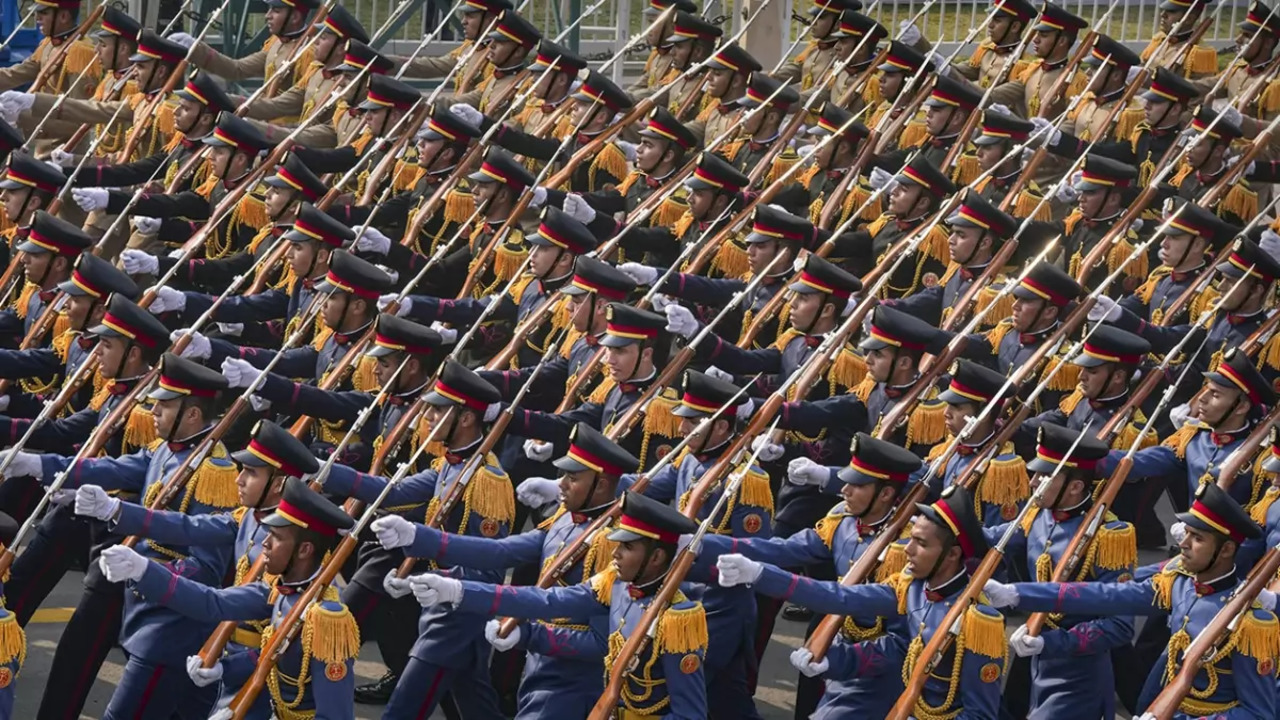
[450, 654]
[664, 145]
[809, 67]
[497, 186]
[561, 674]
[1189, 591]
[946, 534]
[1259, 34]
[902, 63]
[1114, 64]
[1004, 35]
[49, 248]
[114, 44]
[728, 73]
[1030, 94]
[692, 41]
[993, 147]
[156, 640]
[58, 23]
[509, 45]
[647, 535]
[659, 59]
[541, 114]
[946, 112]
[1070, 658]
[301, 531]
[1186, 245]
[476, 17]
[762, 127]
[1170, 47]
[854, 26]
[1204, 164]
[833, 161]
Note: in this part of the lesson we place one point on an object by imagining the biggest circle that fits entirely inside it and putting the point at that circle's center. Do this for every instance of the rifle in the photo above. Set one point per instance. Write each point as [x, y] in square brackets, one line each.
[54, 63]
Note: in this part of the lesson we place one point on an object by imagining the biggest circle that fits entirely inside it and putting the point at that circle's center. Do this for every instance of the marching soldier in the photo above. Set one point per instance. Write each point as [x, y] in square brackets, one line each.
[49, 248]
[833, 161]
[304, 527]
[993, 147]
[809, 67]
[659, 59]
[1259, 34]
[1171, 50]
[1004, 35]
[946, 112]
[664, 145]
[902, 63]
[509, 45]
[727, 76]
[1206, 162]
[692, 41]
[646, 535]
[58, 24]
[542, 114]
[114, 44]
[854, 26]
[496, 187]
[946, 534]
[476, 16]
[762, 128]
[1186, 245]
[1113, 63]
[1030, 94]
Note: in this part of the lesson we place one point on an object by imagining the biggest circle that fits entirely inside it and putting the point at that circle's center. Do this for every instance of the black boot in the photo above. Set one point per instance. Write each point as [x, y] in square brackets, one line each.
[377, 692]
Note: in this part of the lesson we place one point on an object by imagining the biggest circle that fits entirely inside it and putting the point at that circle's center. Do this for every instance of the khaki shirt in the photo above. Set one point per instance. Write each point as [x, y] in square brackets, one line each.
[1089, 120]
[275, 53]
[476, 71]
[130, 111]
[498, 88]
[810, 65]
[1200, 62]
[298, 101]
[986, 63]
[79, 57]
[1030, 95]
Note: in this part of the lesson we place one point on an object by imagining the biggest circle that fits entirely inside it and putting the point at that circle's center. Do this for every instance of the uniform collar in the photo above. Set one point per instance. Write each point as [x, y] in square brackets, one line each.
[1185, 275]
[1035, 336]
[642, 383]
[1237, 318]
[346, 337]
[647, 589]
[184, 443]
[893, 392]
[293, 588]
[948, 588]
[1111, 402]
[1217, 585]
[1048, 66]
[586, 515]
[457, 456]
[1080, 508]
[1223, 438]
[971, 448]
[404, 398]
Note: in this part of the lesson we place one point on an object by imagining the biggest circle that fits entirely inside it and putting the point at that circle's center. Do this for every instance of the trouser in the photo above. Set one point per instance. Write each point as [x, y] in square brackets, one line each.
[18, 497]
[87, 638]
[506, 668]
[60, 539]
[391, 622]
[1136, 503]
[1132, 663]
[158, 691]
[423, 684]
[729, 696]
[1016, 700]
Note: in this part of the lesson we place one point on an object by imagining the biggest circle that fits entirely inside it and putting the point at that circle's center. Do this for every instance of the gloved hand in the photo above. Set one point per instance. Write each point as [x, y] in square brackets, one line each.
[1024, 645]
[223, 714]
[396, 587]
[802, 660]
[92, 501]
[121, 564]
[1267, 599]
[737, 569]
[1104, 309]
[1066, 192]
[719, 374]
[90, 199]
[880, 178]
[642, 274]
[939, 63]
[239, 373]
[1232, 116]
[1178, 416]
[1178, 531]
[137, 262]
[182, 39]
[771, 450]
[167, 300]
[175, 253]
[259, 403]
[62, 498]
[1000, 595]
[661, 301]
[1132, 74]
[371, 239]
[24, 464]
[803, 471]
[431, 589]
[393, 531]
[537, 450]
[579, 209]
[4, 403]
[448, 335]
[201, 675]
[1270, 243]
[1046, 131]
[539, 197]
[628, 149]
[908, 32]
[680, 320]
[1000, 109]
[536, 492]
[467, 114]
[805, 151]
[232, 329]
[16, 102]
[492, 411]
[500, 643]
[62, 157]
[199, 347]
[746, 408]
[146, 225]
[401, 310]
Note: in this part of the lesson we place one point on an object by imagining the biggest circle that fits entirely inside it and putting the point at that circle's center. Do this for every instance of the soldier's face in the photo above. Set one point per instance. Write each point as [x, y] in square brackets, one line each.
[78, 309]
[251, 484]
[999, 27]
[955, 415]
[36, 265]
[276, 18]
[804, 310]
[111, 354]
[890, 84]
[902, 198]
[13, 201]
[823, 24]
[700, 202]
[185, 114]
[858, 498]
[435, 415]
[500, 52]
[325, 46]
[220, 161]
[278, 549]
[472, 24]
[936, 119]
[1052, 488]
[990, 155]
[1093, 381]
[1026, 314]
[105, 49]
[485, 191]
[543, 259]
[826, 152]
[165, 414]
[1155, 112]
[44, 18]
[924, 547]
[575, 489]
[1173, 249]
[301, 258]
[1234, 293]
[1043, 41]
[649, 153]
[1169, 18]
[1216, 402]
[278, 201]
[760, 254]
[718, 80]
[579, 313]
[622, 361]
[963, 242]
[386, 367]
[754, 120]
[630, 557]
[680, 54]
[880, 364]
[1200, 151]
[847, 44]
[1091, 202]
[335, 309]
[1198, 550]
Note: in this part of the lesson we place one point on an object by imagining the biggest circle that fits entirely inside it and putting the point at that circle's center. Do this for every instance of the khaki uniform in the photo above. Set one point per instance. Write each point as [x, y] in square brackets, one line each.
[468, 78]
[77, 58]
[298, 101]
[275, 53]
[986, 63]
[1089, 120]
[810, 65]
[1201, 62]
[157, 137]
[497, 89]
[113, 138]
[655, 69]
[715, 120]
[1029, 93]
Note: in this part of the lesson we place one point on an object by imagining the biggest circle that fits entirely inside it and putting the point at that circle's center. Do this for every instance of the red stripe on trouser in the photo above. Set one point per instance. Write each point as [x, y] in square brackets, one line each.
[146, 695]
[21, 601]
[85, 676]
[431, 696]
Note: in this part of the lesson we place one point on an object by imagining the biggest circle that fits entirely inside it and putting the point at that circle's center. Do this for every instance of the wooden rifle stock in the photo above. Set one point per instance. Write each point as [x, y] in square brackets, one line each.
[54, 63]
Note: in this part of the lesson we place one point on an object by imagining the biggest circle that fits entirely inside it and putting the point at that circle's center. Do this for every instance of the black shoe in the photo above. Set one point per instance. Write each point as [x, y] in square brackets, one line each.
[796, 613]
[377, 692]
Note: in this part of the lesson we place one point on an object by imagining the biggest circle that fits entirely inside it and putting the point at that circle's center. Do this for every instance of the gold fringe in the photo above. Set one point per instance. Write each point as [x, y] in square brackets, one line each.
[1240, 201]
[1258, 636]
[849, 369]
[1180, 439]
[731, 260]
[927, 424]
[1128, 121]
[253, 211]
[938, 450]
[489, 493]
[458, 206]
[80, 56]
[62, 344]
[1027, 203]
[755, 490]
[1151, 46]
[1136, 268]
[611, 160]
[1063, 380]
[13, 641]
[1148, 288]
[363, 378]
[602, 585]
[935, 245]
[507, 259]
[996, 334]
[1078, 84]
[140, 432]
[601, 391]
[871, 93]
[900, 584]
[22, 305]
[335, 636]
[1022, 70]
[1162, 584]
[826, 528]
[659, 418]
[682, 631]
[1028, 520]
[214, 483]
[627, 182]
[784, 161]
[1270, 355]
[1005, 481]
[983, 633]
[1068, 403]
[669, 211]
[1115, 548]
[1260, 509]
[406, 176]
[913, 134]
[546, 524]
[1184, 171]
[1072, 219]
[1269, 100]
[1201, 61]
[1002, 308]
[895, 561]
[967, 169]
[682, 225]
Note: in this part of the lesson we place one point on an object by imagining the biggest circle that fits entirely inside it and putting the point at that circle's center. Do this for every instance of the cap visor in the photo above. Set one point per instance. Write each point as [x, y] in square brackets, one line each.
[987, 140]
[103, 331]
[621, 535]
[954, 398]
[692, 183]
[539, 240]
[849, 476]
[435, 398]
[379, 351]
[753, 238]
[480, 177]
[1271, 464]
[1025, 294]
[568, 464]
[276, 520]
[1192, 521]
[213, 141]
[369, 105]
[1153, 97]
[802, 289]
[294, 236]
[886, 67]
[11, 185]
[872, 344]
[139, 57]
[616, 341]
[1218, 378]
[684, 411]
[244, 457]
[1038, 465]
[1085, 360]
[161, 394]
[71, 288]
[276, 181]
[573, 290]
[27, 246]
[958, 220]
[1226, 269]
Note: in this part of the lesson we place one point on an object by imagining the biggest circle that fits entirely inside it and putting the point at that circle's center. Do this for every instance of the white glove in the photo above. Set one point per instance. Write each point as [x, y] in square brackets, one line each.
[908, 33]
[4, 403]
[372, 240]
[401, 310]
[1232, 116]
[1000, 594]
[1046, 131]
[939, 63]
[803, 471]
[146, 225]
[467, 114]
[880, 178]
[661, 301]
[1024, 645]
[94, 502]
[537, 450]
[1132, 74]
[492, 411]
[431, 589]
[536, 492]
[1178, 530]
[1000, 109]
[642, 274]
[500, 643]
[17, 100]
[737, 569]
[802, 660]
[771, 450]
[239, 373]
[393, 531]
[259, 403]
[578, 209]
[746, 408]
[719, 374]
[198, 348]
[62, 498]
[448, 335]
[62, 157]
[175, 253]
[628, 149]
[201, 675]
[24, 464]
[1178, 416]
[1270, 243]
[137, 262]
[182, 39]
[121, 564]
[232, 329]
[805, 151]
[223, 714]
[90, 199]
[1104, 309]
[1267, 600]
[167, 299]
[539, 197]
[680, 320]
[396, 587]
[1066, 192]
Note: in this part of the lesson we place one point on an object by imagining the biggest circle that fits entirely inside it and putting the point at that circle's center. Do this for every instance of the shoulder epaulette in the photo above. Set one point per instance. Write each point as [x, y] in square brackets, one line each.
[927, 424]
[1120, 254]
[1068, 403]
[1148, 288]
[863, 389]
[489, 493]
[900, 584]
[1240, 200]
[1029, 519]
[1162, 584]
[214, 482]
[1179, 440]
[848, 370]
[333, 633]
[982, 49]
[1269, 99]
[1151, 46]
[937, 451]
[996, 334]
[827, 526]
[659, 415]
[894, 562]
[1005, 480]
[546, 524]
[1258, 637]
[1128, 120]
[80, 56]
[1201, 61]
[13, 640]
[682, 629]
[983, 631]
[239, 513]
[1115, 546]
[782, 162]
[602, 585]
[1001, 304]
[755, 490]
[1260, 509]
[1028, 205]
[1022, 70]
[1062, 376]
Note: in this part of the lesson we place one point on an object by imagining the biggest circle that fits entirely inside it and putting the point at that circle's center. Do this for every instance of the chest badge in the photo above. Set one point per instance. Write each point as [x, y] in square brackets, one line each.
[690, 663]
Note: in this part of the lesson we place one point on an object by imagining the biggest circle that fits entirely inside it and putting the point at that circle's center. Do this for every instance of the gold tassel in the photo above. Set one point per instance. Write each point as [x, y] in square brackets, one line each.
[1258, 636]
[1269, 100]
[334, 634]
[1201, 61]
[23, 304]
[935, 245]
[1072, 219]
[966, 169]
[363, 379]
[784, 161]
[1064, 379]
[975, 60]
[1151, 46]
[669, 212]
[659, 418]
[1128, 121]
[507, 259]
[983, 632]
[602, 585]
[13, 641]
[406, 176]
[458, 206]
[863, 389]
[895, 561]
[1078, 84]
[858, 195]
[214, 483]
[682, 225]
[913, 135]
[546, 524]
[321, 335]
[938, 450]
[1005, 481]
[1029, 519]
[1240, 201]
[731, 260]
[611, 160]
[871, 93]
[1069, 402]
[1022, 71]
[848, 370]
[140, 430]
[1148, 288]
[1002, 308]
[1028, 205]
[755, 490]
[900, 584]
[62, 344]
[1184, 171]
[625, 186]
[80, 56]
[1180, 439]
[996, 334]
[489, 493]
[1260, 509]
[804, 54]
[1136, 268]
[602, 390]
[166, 124]
[927, 424]
[682, 631]
[253, 211]
[1270, 355]
[1115, 547]
[826, 528]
